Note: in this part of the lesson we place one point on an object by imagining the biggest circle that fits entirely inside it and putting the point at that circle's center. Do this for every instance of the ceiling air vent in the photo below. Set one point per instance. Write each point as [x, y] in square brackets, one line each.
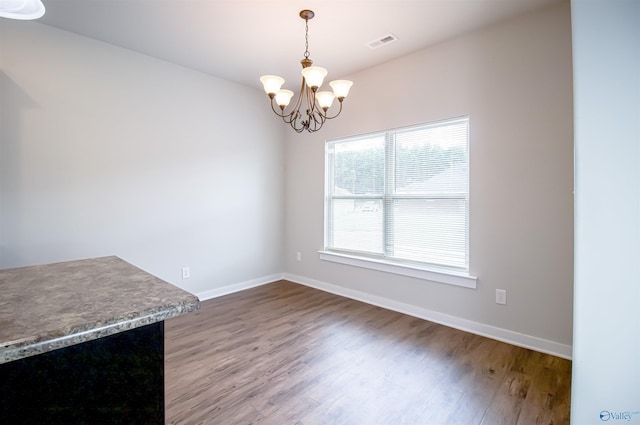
[385, 39]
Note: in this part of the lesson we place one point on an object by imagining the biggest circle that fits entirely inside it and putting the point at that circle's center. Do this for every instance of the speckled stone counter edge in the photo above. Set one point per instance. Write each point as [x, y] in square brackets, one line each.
[180, 302]
[15, 353]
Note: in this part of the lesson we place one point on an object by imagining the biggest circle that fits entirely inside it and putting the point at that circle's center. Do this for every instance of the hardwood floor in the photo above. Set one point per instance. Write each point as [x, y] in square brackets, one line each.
[286, 354]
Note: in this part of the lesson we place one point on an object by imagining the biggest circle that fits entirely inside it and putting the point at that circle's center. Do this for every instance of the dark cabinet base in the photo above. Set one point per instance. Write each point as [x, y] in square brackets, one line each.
[118, 379]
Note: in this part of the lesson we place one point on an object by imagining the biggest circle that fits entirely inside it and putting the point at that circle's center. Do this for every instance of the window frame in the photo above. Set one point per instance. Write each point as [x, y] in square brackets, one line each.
[422, 270]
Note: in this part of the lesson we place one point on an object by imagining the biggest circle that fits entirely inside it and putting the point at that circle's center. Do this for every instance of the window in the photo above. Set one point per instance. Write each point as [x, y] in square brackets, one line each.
[401, 197]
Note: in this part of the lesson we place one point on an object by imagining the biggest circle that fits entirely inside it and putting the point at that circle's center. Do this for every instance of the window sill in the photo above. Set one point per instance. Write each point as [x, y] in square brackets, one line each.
[441, 276]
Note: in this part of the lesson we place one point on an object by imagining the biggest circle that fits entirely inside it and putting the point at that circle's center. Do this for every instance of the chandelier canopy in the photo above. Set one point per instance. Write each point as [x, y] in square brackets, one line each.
[314, 103]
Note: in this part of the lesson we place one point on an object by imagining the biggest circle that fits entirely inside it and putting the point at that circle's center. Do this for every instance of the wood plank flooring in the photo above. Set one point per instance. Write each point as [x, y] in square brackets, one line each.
[286, 354]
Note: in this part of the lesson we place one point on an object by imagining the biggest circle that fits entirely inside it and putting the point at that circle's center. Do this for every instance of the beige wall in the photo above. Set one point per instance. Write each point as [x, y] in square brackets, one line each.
[104, 151]
[514, 80]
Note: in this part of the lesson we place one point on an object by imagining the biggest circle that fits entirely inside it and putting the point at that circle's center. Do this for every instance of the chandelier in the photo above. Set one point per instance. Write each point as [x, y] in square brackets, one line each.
[21, 9]
[309, 112]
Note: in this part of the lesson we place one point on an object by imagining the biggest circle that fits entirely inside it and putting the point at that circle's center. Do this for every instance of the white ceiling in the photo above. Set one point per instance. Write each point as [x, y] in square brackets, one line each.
[240, 40]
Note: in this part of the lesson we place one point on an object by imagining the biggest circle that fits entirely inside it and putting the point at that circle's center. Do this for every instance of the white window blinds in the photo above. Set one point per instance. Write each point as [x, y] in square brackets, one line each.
[401, 195]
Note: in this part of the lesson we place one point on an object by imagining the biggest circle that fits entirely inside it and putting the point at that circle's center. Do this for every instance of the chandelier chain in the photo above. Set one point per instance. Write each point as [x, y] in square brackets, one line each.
[306, 39]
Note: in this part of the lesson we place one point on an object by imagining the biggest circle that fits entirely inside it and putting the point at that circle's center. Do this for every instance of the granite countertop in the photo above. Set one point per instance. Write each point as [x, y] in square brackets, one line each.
[43, 308]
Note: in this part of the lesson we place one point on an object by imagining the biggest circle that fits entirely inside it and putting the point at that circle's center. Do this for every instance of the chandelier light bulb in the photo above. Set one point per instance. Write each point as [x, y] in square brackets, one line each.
[271, 83]
[314, 76]
[283, 97]
[341, 88]
[325, 99]
[21, 9]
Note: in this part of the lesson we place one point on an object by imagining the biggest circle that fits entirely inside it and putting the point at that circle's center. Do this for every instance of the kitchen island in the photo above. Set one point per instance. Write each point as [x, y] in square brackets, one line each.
[83, 342]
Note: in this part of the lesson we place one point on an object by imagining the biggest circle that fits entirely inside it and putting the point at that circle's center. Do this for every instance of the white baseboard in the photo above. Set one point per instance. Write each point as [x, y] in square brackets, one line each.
[237, 287]
[504, 335]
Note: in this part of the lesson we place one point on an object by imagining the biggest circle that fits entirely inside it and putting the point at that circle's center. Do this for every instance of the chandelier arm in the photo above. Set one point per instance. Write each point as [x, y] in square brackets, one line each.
[302, 94]
[311, 102]
[292, 118]
[297, 124]
[275, 111]
[316, 115]
[319, 117]
[338, 113]
[298, 129]
[288, 118]
[314, 127]
[295, 120]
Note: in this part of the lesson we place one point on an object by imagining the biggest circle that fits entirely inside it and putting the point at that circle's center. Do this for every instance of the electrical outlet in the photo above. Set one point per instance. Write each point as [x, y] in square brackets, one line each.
[501, 296]
[186, 272]
[298, 256]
